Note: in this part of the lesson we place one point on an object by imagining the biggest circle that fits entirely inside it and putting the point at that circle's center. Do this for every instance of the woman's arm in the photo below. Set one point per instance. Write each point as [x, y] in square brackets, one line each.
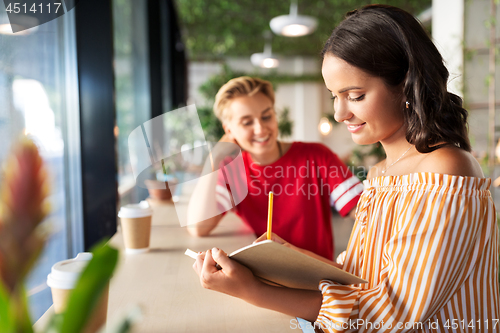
[203, 215]
[238, 281]
[203, 228]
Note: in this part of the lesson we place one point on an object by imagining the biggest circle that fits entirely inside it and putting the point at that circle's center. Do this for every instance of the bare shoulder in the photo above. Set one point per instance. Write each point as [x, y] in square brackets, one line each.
[451, 161]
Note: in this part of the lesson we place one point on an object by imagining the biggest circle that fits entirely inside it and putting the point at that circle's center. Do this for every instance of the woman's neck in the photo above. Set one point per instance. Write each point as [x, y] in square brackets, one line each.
[270, 157]
[394, 151]
[395, 145]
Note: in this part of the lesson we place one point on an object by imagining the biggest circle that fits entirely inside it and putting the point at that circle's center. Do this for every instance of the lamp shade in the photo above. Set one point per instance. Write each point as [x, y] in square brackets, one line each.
[293, 25]
[264, 60]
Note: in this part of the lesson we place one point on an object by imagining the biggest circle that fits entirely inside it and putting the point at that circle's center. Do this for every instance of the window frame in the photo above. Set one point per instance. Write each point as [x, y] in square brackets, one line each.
[94, 49]
[168, 77]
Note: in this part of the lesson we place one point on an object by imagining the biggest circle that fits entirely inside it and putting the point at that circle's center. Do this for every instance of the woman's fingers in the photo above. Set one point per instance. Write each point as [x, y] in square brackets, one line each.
[222, 259]
[198, 263]
[218, 272]
[209, 263]
[211, 272]
[260, 238]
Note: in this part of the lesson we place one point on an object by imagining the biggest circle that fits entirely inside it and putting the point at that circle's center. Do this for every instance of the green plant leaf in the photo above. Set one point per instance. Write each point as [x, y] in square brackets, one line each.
[19, 301]
[14, 315]
[6, 317]
[89, 288]
[285, 125]
[212, 127]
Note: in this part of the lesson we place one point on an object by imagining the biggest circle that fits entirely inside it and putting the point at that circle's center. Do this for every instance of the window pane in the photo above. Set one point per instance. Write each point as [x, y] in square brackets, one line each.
[131, 85]
[36, 77]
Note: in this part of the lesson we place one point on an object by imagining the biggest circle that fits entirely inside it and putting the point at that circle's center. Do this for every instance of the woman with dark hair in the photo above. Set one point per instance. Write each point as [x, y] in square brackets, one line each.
[425, 236]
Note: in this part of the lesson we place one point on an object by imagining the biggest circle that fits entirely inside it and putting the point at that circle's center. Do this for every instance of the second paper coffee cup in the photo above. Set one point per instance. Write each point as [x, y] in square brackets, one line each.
[136, 227]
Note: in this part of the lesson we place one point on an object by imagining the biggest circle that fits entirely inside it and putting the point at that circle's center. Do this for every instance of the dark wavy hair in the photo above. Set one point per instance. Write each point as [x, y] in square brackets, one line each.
[389, 43]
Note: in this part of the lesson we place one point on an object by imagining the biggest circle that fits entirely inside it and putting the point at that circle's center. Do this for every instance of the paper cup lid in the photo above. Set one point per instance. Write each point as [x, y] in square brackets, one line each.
[64, 274]
[141, 209]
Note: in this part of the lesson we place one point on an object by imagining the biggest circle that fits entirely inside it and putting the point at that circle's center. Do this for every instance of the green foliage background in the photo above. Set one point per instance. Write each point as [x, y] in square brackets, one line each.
[214, 29]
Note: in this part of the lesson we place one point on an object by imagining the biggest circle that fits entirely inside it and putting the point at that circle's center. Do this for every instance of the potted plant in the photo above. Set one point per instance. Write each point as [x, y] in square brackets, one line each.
[23, 207]
[160, 179]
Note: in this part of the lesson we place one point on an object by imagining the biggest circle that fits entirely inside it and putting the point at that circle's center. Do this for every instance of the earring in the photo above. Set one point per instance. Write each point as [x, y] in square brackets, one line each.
[407, 104]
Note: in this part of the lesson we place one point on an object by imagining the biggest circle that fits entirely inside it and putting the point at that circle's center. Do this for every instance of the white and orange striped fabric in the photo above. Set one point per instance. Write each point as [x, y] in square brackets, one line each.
[428, 245]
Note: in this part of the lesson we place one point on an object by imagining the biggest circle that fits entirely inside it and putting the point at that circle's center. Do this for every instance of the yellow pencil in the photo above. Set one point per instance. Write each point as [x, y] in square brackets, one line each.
[270, 216]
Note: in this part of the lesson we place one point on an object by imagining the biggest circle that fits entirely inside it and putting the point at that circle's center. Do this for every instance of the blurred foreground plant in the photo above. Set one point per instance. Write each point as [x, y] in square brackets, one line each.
[23, 206]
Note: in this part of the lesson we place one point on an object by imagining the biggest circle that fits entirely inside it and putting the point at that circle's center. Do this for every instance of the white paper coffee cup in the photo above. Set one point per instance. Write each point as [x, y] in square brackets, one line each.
[64, 274]
[63, 277]
[136, 226]
[62, 280]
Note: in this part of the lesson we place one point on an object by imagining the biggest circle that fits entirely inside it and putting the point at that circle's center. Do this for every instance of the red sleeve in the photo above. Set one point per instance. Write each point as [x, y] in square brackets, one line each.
[345, 187]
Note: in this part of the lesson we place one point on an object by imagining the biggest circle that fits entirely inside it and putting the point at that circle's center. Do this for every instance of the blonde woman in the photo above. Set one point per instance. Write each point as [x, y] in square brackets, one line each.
[306, 178]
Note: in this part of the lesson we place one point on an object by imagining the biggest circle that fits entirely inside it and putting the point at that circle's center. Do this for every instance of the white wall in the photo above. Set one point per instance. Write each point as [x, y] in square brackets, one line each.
[448, 36]
[461, 31]
[304, 102]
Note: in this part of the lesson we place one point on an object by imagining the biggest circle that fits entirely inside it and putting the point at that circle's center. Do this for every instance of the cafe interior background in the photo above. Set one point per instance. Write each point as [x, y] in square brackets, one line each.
[78, 86]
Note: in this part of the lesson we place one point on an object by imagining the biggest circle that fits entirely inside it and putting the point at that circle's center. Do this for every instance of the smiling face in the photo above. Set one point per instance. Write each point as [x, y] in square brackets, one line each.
[371, 111]
[252, 123]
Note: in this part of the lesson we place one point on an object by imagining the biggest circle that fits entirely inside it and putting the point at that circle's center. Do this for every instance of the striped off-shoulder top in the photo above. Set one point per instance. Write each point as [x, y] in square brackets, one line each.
[428, 245]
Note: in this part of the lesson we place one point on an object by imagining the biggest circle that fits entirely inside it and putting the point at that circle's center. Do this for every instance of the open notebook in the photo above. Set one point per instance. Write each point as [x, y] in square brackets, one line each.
[279, 264]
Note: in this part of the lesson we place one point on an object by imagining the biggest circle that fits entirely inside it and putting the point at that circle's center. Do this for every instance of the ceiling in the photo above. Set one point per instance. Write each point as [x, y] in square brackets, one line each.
[214, 29]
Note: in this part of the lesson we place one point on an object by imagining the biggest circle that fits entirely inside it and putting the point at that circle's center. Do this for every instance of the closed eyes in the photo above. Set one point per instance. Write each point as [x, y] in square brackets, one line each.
[356, 99]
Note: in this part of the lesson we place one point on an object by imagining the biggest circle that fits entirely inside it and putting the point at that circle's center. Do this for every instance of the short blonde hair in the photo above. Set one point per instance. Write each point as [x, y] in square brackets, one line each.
[240, 86]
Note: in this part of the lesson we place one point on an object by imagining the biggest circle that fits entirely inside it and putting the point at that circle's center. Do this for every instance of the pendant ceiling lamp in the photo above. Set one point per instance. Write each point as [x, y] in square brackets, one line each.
[293, 25]
[265, 59]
